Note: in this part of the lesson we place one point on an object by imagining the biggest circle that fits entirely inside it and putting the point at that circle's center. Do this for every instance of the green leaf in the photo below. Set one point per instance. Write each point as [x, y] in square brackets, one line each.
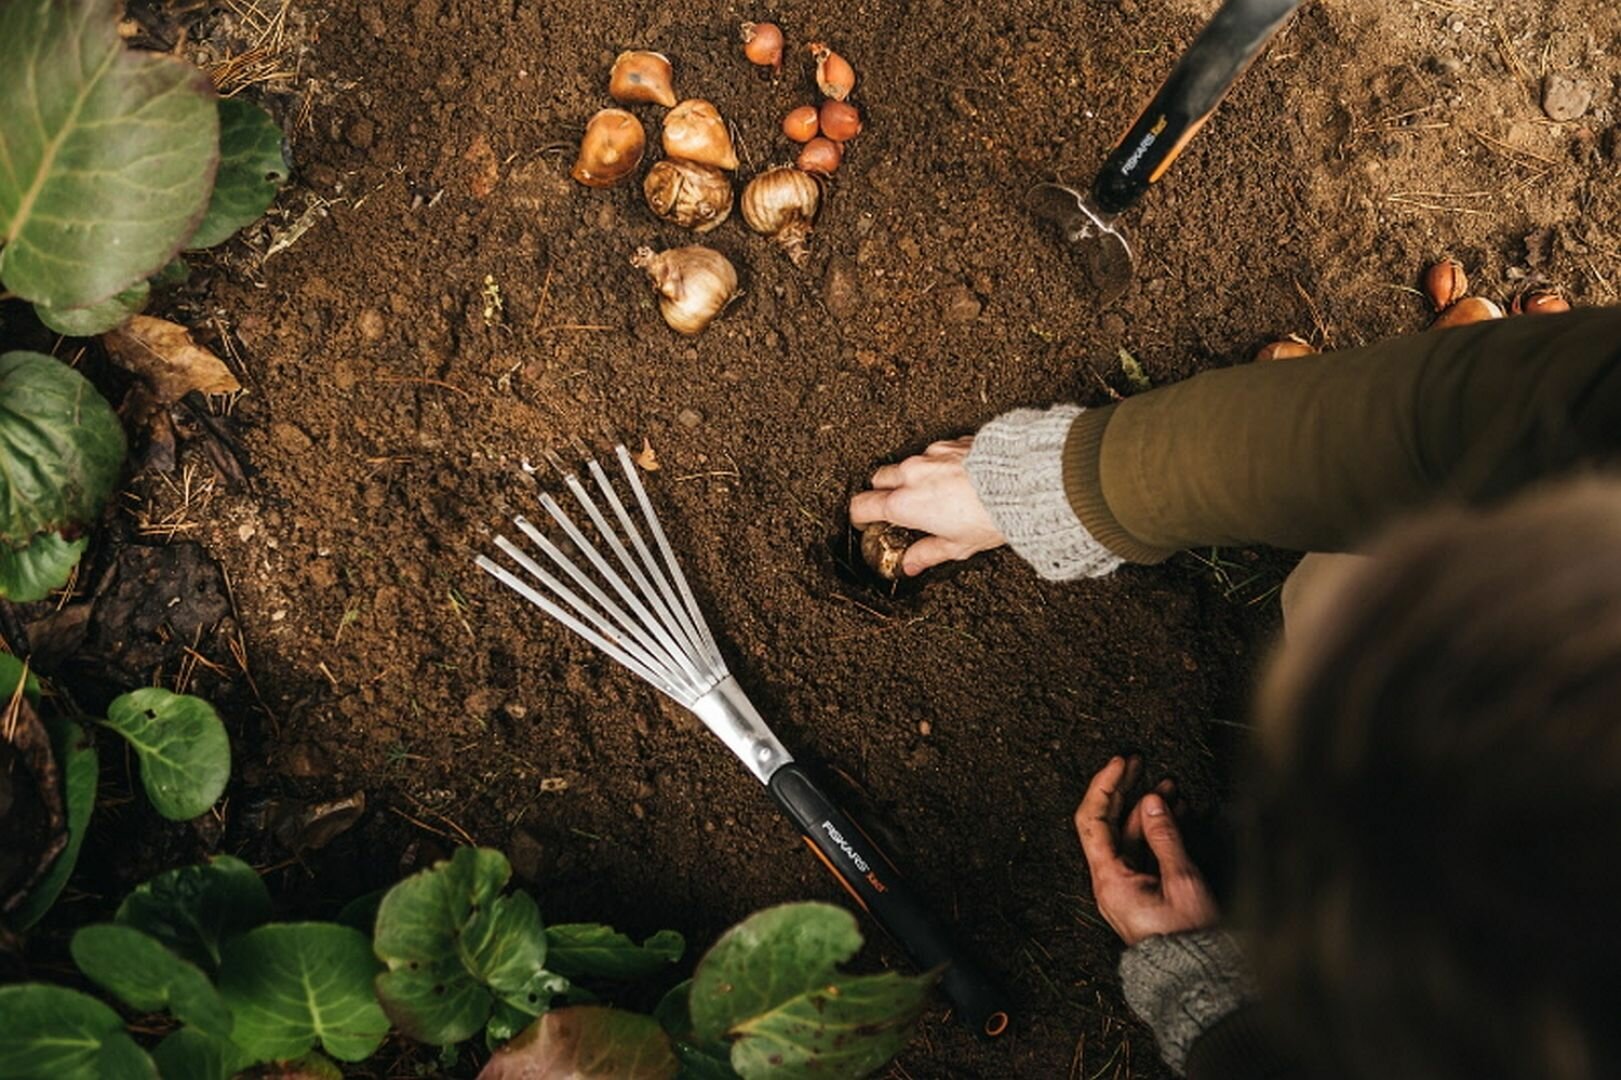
[52, 1033]
[1135, 375]
[184, 752]
[76, 760]
[109, 154]
[144, 975]
[453, 945]
[190, 1055]
[771, 983]
[293, 985]
[175, 272]
[252, 168]
[587, 1042]
[195, 910]
[96, 318]
[11, 670]
[505, 1022]
[61, 449]
[34, 572]
[698, 1062]
[585, 950]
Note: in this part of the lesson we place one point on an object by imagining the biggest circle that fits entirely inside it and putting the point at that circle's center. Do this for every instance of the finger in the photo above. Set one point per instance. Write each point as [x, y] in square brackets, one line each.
[889, 476]
[1131, 835]
[868, 507]
[1165, 839]
[928, 552]
[948, 447]
[1095, 817]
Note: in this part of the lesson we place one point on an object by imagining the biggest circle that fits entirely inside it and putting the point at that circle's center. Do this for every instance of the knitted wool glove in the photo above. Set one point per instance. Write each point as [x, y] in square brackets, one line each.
[1017, 468]
[1181, 985]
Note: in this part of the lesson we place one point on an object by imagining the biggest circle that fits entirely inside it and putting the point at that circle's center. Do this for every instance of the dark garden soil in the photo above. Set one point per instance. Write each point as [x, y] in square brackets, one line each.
[390, 401]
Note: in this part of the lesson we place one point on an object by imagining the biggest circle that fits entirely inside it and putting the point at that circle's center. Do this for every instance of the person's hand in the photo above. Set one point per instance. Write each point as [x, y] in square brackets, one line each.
[1138, 903]
[930, 493]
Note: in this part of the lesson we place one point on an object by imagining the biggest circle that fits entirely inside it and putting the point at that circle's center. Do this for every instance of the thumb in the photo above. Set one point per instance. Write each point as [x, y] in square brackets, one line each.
[1164, 839]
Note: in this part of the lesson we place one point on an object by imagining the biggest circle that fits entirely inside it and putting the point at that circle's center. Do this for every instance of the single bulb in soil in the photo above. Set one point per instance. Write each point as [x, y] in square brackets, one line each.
[781, 203]
[611, 148]
[840, 120]
[762, 43]
[693, 196]
[834, 75]
[1289, 348]
[1445, 283]
[642, 76]
[821, 156]
[883, 547]
[694, 131]
[801, 124]
[694, 284]
[1471, 309]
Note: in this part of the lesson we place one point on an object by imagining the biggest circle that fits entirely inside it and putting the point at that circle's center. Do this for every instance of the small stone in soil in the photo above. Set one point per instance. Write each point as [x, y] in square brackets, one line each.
[371, 325]
[1565, 97]
[959, 305]
[361, 133]
[924, 727]
[689, 418]
[839, 289]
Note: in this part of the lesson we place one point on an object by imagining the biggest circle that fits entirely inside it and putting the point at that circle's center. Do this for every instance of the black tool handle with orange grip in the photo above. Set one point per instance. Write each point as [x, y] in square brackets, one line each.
[877, 886]
[1227, 45]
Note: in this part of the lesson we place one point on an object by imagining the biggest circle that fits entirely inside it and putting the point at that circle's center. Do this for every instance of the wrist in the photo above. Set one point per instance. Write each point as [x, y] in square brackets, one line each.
[1183, 984]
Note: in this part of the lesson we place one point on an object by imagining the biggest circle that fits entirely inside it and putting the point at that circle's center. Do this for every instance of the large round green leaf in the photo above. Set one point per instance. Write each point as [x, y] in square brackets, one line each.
[76, 758]
[184, 752]
[453, 945]
[61, 449]
[191, 1055]
[33, 572]
[52, 1033]
[97, 318]
[144, 975]
[291, 986]
[771, 984]
[588, 1042]
[252, 168]
[195, 910]
[108, 155]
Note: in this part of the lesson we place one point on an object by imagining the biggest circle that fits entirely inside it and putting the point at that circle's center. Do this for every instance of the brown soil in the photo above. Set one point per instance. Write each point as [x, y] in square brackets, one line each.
[390, 405]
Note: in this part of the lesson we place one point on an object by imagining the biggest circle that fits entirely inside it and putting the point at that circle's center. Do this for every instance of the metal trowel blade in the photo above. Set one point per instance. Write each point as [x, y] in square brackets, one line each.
[1105, 254]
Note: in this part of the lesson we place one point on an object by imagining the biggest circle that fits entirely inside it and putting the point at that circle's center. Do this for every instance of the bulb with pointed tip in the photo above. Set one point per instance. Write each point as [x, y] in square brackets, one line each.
[611, 148]
[642, 76]
[762, 44]
[694, 131]
[1471, 309]
[834, 75]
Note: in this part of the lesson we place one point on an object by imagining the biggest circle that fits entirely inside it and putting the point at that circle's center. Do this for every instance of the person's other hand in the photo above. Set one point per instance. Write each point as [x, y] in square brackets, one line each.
[930, 493]
[1138, 903]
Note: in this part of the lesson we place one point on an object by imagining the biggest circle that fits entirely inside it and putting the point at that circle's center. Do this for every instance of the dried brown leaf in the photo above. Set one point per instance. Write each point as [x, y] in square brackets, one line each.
[647, 459]
[165, 355]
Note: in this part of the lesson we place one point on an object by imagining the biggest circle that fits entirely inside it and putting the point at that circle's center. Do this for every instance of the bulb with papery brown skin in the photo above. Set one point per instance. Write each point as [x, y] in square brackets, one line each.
[694, 284]
[839, 120]
[1289, 348]
[801, 125]
[762, 44]
[611, 148]
[1471, 309]
[693, 196]
[1445, 283]
[883, 547]
[834, 75]
[694, 131]
[644, 77]
[1540, 302]
[781, 203]
[821, 156]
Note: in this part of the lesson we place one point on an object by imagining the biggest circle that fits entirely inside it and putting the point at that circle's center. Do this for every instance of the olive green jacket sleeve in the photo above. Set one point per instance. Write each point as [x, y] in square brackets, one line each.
[1317, 454]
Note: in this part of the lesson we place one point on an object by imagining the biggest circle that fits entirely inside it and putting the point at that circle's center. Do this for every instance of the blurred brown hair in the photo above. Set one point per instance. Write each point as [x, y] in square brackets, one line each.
[1432, 868]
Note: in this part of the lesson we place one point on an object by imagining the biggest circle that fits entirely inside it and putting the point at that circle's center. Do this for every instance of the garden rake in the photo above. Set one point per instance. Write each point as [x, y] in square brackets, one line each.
[638, 609]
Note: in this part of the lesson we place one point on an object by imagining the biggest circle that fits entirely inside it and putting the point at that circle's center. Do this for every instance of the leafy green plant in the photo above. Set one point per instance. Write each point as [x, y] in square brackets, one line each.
[452, 951]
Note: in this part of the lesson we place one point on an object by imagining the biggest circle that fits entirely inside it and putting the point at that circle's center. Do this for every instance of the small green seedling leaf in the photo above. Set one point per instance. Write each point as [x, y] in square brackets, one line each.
[61, 449]
[453, 945]
[191, 1055]
[52, 1033]
[11, 672]
[291, 986]
[592, 950]
[76, 760]
[252, 169]
[141, 973]
[110, 153]
[587, 1042]
[1135, 375]
[195, 910]
[184, 752]
[706, 1062]
[771, 984]
[99, 318]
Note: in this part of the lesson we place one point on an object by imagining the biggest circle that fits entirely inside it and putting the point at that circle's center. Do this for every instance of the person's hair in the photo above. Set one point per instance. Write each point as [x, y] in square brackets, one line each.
[1431, 872]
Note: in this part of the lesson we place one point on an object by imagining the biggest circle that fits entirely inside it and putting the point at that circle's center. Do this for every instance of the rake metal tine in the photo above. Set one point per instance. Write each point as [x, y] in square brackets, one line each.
[667, 646]
[684, 614]
[523, 589]
[669, 555]
[668, 613]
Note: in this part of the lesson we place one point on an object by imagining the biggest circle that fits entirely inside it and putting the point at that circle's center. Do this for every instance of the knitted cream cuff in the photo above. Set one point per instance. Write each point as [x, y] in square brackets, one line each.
[1181, 985]
[1017, 469]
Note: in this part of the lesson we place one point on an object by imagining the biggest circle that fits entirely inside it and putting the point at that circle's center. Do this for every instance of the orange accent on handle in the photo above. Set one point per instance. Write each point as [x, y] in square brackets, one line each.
[835, 872]
[996, 1023]
[1181, 144]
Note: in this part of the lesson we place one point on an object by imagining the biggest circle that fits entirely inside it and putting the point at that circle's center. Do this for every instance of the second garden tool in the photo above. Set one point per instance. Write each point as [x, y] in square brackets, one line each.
[1232, 39]
[637, 607]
